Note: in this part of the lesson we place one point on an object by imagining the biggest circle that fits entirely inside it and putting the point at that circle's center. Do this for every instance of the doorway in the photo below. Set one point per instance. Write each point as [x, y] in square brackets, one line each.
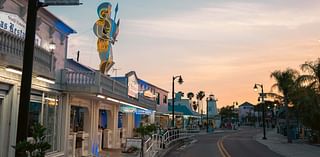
[105, 128]
[79, 129]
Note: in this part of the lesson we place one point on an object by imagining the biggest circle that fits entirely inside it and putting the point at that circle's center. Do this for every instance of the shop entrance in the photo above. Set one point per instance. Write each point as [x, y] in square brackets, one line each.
[79, 129]
[105, 128]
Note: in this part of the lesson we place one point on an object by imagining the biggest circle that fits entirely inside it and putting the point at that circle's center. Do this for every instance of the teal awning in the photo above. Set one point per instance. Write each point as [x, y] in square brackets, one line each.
[180, 108]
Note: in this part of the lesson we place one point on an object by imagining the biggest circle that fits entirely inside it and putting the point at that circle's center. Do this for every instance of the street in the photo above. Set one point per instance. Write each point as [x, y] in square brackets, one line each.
[240, 143]
[205, 146]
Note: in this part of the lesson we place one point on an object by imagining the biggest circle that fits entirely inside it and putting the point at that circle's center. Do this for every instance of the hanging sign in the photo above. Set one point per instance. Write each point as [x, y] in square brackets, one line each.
[133, 86]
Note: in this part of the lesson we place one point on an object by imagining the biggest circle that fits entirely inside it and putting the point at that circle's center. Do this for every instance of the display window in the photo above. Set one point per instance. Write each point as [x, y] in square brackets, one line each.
[45, 111]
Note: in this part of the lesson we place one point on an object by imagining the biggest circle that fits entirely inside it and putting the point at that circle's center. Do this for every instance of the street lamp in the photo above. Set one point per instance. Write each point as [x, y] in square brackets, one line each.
[255, 88]
[180, 81]
[26, 78]
[52, 46]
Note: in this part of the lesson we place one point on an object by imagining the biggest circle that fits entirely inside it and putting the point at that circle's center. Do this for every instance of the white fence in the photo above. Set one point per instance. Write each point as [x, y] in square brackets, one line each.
[157, 143]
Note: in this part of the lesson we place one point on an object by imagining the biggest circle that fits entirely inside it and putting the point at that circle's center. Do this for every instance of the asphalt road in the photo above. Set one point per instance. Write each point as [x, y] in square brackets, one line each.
[203, 146]
[228, 144]
[243, 144]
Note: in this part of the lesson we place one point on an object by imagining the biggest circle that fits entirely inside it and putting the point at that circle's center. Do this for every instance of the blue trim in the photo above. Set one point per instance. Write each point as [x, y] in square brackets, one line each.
[63, 27]
[182, 109]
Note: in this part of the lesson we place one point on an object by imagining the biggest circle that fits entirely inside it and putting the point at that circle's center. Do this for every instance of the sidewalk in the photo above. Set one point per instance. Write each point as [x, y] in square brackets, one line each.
[116, 153]
[278, 143]
[162, 153]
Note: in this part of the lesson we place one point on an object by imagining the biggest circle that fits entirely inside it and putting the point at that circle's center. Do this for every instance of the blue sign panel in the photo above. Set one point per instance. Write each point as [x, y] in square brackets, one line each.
[143, 112]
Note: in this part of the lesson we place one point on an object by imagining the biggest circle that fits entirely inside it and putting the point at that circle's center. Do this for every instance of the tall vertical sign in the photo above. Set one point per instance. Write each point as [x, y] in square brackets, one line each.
[106, 29]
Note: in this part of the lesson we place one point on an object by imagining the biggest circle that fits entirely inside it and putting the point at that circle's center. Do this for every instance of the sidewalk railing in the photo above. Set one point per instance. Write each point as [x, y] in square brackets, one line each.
[157, 142]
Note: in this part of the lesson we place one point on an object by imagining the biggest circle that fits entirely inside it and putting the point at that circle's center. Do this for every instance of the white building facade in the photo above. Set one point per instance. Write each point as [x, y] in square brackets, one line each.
[46, 104]
[246, 111]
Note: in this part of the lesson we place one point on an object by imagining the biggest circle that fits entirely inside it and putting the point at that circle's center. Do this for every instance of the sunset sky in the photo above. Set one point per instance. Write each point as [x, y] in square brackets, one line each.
[221, 47]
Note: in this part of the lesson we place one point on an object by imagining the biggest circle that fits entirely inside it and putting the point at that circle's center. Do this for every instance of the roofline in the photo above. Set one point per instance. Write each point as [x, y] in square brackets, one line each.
[155, 86]
[46, 11]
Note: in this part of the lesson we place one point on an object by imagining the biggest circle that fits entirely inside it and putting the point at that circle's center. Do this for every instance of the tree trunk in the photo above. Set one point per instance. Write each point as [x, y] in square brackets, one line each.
[287, 120]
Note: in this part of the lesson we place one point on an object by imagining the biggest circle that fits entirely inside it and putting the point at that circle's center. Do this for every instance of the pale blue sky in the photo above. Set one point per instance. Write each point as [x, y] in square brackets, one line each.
[220, 46]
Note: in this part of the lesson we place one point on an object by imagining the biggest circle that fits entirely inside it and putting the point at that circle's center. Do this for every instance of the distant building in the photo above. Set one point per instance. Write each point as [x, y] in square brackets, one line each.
[184, 115]
[246, 110]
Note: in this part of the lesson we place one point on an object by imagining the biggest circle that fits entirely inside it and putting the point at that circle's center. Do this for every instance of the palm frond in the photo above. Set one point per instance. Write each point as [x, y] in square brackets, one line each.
[308, 67]
[274, 86]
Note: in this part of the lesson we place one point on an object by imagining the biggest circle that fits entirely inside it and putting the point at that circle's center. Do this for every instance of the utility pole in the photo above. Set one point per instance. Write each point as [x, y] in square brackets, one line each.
[25, 89]
[78, 55]
[26, 79]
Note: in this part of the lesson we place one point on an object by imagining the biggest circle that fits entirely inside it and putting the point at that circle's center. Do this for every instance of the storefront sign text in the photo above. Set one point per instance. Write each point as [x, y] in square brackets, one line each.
[14, 24]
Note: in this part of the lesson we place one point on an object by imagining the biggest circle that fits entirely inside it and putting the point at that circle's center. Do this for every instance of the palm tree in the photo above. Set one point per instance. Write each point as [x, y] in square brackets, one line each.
[181, 93]
[194, 105]
[285, 83]
[190, 95]
[312, 79]
[308, 97]
[200, 95]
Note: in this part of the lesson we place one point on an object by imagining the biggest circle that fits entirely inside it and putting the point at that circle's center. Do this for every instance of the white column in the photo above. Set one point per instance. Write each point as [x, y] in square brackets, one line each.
[152, 118]
[116, 133]
[66, 107]
[14, 119]
[130, 124]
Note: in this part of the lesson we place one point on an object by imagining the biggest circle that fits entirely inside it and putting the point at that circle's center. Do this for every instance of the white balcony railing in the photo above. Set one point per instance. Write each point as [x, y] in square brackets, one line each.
[157, 142]
[82, 79]
[11, 54]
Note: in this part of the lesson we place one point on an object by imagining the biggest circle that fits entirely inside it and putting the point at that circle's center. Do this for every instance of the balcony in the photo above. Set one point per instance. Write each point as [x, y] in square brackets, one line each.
[11, 54]
[97, 83]
[92, 82]
[147, 103]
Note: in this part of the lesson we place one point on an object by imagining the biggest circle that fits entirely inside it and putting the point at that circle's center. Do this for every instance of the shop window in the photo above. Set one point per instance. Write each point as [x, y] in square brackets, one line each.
[46, 113]
[34, 115]
[50, 120]
[165, 99]
[158, 98]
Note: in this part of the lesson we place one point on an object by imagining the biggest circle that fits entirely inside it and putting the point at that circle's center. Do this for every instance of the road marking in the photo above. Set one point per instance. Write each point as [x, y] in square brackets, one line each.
[221, 148]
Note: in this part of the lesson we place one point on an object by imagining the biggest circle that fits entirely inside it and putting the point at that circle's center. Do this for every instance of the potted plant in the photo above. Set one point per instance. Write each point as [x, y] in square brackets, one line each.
[36, 147]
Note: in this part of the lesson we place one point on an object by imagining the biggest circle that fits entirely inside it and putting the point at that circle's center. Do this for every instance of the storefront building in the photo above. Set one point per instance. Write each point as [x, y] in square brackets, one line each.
[160, 96]
[46, 104]
[185, 117]
[141, 114]
[101, 111]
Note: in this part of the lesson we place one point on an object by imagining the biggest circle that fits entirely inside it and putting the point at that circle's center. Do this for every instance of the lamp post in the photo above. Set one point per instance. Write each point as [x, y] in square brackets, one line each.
[180, 81]
[263, 112]
[208, 99]
[26, 78]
